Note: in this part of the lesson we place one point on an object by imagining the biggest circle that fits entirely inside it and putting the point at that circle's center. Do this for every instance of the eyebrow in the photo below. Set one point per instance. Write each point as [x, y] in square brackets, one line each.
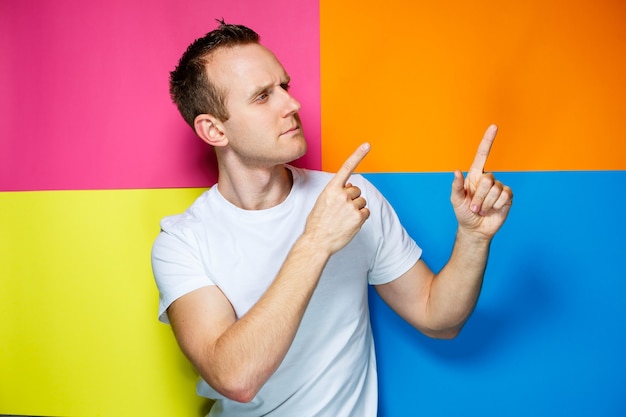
[285, 80]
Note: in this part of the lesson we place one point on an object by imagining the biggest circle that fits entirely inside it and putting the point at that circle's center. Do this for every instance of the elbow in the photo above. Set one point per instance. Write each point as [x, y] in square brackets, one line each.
[240, 395]
[447, 328]
[236, 380]
[447, 333]
[234, 388]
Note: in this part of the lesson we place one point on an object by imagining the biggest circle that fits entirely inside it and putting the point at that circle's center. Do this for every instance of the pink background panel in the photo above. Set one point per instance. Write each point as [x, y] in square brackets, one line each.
[85, 101]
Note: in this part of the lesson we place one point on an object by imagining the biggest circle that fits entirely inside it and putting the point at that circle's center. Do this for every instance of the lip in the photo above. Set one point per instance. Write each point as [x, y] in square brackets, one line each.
[291, 130]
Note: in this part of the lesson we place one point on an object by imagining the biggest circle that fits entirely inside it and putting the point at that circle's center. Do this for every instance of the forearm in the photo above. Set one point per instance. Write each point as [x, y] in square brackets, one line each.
[455, 289]
[244, 357]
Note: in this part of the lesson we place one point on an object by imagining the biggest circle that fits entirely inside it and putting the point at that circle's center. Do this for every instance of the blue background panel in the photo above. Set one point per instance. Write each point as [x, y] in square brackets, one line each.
[548, 334]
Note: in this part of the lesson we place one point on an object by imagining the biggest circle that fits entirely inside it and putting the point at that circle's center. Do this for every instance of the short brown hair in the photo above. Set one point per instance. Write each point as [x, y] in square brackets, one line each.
[190, 88]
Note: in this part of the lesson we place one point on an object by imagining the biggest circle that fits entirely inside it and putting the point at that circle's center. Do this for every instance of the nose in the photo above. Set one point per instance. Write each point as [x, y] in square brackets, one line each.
[291, 105]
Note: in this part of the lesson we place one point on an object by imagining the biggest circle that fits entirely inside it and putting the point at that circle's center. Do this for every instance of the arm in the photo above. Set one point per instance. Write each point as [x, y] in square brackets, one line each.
[236, 357]
[440, 304]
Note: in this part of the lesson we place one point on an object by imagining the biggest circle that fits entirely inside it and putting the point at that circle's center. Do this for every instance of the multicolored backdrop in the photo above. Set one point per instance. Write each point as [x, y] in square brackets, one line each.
[93, 154]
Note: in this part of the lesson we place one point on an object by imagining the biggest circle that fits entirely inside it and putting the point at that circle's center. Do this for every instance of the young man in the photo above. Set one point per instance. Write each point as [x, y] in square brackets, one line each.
[264, 278]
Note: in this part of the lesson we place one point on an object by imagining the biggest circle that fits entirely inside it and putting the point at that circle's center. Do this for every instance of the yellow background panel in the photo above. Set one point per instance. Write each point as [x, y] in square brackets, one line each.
[80, 335]
[422, 80]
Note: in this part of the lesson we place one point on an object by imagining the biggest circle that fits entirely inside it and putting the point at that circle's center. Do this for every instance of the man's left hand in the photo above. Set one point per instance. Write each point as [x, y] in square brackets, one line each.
[481, 203]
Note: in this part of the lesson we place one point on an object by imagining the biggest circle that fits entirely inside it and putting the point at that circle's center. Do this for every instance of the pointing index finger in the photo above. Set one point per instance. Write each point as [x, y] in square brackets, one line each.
[350, 164]
[484, 148]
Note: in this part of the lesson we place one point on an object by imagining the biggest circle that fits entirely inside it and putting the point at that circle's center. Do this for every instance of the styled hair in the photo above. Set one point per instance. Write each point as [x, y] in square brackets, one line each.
[190, 88]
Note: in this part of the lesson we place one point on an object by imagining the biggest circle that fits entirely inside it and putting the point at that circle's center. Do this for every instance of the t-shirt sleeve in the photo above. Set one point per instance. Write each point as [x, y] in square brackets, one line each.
[177, 268]
[396, 251]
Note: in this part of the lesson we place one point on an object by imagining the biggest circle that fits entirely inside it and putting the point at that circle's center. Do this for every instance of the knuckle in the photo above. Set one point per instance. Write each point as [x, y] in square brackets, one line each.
[488, 179]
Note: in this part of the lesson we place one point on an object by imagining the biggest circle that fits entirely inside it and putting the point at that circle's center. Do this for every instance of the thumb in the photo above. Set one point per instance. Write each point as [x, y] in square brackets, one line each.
[457, 196]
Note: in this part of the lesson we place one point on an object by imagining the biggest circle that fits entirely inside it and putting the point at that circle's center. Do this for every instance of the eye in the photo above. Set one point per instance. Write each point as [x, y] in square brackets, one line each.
[263, 96]
[285, 86]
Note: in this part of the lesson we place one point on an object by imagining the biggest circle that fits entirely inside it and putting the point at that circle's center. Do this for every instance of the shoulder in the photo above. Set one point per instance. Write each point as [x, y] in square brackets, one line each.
[185, 228]
[193, 215]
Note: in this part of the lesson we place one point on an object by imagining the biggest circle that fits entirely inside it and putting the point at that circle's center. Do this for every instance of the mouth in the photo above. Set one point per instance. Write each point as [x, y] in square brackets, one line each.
[291, 130]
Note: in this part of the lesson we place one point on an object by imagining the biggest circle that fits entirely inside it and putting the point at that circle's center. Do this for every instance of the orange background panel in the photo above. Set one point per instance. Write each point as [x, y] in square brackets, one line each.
[422, 80]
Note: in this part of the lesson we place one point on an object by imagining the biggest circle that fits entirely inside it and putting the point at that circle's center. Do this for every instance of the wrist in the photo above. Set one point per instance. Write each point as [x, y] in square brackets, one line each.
[472, 237]
[307, 245]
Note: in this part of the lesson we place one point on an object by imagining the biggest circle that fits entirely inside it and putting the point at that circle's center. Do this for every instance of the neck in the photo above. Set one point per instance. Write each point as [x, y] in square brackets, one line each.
[255, 188]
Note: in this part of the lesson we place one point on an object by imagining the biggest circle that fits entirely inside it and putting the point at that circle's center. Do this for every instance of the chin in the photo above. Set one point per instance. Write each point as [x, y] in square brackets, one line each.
[297, 148]
[302, 150]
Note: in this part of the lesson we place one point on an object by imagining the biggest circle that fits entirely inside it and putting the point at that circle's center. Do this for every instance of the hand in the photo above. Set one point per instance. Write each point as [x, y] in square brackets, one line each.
[481, 203]
[339, 211]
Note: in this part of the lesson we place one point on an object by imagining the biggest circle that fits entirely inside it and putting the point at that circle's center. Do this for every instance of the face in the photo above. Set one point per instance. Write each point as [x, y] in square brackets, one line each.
[264, 128]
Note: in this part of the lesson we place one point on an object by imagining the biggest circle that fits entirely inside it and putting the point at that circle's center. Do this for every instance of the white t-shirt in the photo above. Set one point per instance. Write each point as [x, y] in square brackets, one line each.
[330, 369]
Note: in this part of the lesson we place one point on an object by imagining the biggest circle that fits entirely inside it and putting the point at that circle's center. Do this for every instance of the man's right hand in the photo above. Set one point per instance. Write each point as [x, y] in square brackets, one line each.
[340, 210]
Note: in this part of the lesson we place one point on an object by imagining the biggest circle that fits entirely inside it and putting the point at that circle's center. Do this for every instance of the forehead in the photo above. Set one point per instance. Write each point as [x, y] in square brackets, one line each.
[242, 69]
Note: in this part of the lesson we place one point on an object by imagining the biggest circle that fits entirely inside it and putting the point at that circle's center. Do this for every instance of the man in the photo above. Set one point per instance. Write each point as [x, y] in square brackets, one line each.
[264, 278]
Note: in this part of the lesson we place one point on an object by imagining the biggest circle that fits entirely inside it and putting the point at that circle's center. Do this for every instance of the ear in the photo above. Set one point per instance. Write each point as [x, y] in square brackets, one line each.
[210, 129]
